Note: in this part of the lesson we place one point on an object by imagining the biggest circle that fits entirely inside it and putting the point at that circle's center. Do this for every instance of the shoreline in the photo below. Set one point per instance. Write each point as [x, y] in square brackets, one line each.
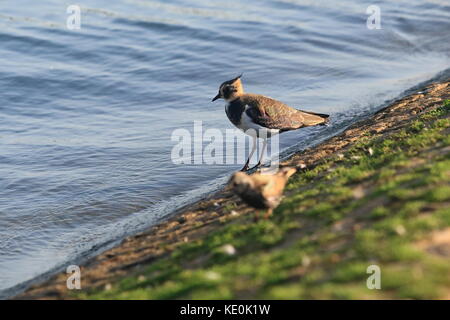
[195, 222]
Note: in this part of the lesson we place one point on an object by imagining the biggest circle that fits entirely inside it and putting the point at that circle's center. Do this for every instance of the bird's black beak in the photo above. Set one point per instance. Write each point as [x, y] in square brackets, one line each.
[216, 97]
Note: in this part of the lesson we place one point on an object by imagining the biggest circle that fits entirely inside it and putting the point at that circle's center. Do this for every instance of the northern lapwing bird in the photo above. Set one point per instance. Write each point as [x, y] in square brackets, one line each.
[262, 117]
[261, 191]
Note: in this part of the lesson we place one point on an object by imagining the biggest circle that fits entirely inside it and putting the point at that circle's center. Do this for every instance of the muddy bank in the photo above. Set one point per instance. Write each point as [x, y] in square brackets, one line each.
[190, 227]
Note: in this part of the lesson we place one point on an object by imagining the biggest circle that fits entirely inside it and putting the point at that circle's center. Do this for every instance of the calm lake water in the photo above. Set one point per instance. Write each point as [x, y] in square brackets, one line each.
[86, 116]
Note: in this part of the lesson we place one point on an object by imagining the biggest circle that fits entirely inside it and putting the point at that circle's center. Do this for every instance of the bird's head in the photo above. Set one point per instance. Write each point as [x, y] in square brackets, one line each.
[230, 90]
[287, 172]
[240, 182]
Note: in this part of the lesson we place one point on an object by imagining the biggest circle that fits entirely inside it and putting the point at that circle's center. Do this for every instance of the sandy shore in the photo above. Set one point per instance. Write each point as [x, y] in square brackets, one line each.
[201, 219]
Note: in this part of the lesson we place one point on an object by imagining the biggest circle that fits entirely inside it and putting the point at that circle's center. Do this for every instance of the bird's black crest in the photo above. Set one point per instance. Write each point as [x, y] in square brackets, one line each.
[232, 80]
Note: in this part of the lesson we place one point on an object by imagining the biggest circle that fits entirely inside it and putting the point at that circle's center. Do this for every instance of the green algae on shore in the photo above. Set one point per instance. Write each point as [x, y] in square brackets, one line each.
[383, 201]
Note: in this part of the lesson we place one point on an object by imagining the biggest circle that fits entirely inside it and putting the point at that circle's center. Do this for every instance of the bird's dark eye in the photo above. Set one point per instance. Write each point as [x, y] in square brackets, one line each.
[228, 90]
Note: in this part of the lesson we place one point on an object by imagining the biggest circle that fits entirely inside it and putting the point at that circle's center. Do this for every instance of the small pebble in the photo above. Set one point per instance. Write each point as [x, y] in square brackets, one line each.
[358, 192]
[400, 230]
[306, 261]
[211, 275]
[141, 278]
[228, 249]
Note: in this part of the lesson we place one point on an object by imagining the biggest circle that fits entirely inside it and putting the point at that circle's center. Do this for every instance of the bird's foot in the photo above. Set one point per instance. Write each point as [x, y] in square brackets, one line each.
[245, 168]
[258, 165]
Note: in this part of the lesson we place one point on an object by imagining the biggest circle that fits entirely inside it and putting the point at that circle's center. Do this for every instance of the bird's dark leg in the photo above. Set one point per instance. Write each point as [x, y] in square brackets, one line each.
[263, 149]
[268, 213]
[256, 218]
[245, 168]
[255, 167]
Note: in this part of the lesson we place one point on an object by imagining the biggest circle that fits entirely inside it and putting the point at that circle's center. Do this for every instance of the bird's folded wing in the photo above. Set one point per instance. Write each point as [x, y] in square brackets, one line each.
[261, 180]
[274, 114]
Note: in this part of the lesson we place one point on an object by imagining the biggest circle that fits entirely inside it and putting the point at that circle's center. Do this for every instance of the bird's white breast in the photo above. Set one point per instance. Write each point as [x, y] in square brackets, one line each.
[249, 127]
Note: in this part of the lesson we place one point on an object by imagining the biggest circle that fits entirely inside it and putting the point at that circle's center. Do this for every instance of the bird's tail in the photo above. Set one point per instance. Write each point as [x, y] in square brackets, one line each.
[314, 118]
